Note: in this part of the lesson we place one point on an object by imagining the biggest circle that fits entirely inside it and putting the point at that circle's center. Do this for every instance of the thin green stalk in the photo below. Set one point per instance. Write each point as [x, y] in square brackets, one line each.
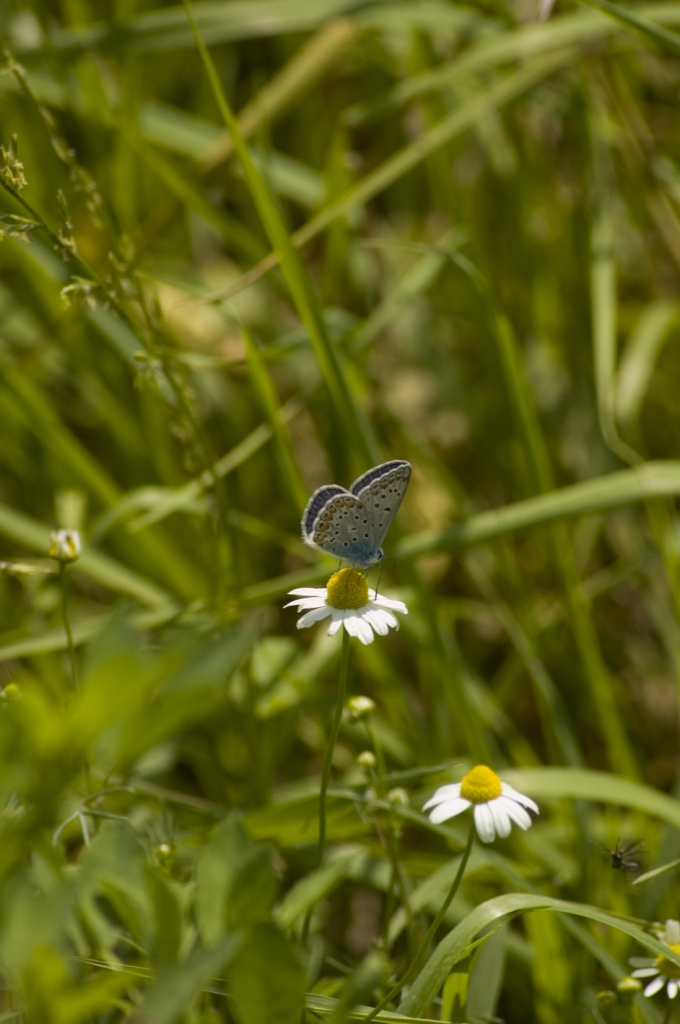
[335, 729]
[328, 763]
[67, 622]
[432, 930]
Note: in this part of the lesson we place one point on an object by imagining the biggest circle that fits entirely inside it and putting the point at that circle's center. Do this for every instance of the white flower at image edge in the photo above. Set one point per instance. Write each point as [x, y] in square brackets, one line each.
[496, 805]
[347, 601]
[659, 969]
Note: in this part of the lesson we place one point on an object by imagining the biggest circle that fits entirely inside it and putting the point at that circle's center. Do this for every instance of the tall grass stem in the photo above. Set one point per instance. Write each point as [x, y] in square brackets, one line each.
[431, 931]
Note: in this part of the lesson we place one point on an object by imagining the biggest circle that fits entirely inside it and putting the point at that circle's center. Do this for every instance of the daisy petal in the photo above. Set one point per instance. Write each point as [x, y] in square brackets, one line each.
[378, 622]
[365, 633]
[500, 817]
[672, 932]
[443, 793]
[335, 625]
[306, 602]
[516, 813]
[309, 618]
[655, 986]
[672, 989]
[448, 809]
[645, 972]
[385, 602]
[525, 801]
[484, 823]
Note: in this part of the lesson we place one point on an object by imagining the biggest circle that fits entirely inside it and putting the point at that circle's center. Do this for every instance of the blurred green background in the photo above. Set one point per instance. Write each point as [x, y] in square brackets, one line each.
[475, 221]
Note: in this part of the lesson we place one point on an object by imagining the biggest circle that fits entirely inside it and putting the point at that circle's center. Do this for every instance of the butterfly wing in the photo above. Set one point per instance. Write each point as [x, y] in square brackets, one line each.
[352, 524]
[316, 503]
[342, 528]
[380, 491]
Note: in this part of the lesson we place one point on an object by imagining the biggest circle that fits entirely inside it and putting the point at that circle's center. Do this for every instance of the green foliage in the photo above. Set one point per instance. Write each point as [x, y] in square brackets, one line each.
[248, 248]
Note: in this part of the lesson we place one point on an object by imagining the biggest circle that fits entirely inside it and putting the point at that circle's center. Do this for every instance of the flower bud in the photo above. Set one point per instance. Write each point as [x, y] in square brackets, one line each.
[366, 759]
[629, 984]
[398, 797]
[359, 708]
[10, 692]
[65, 545]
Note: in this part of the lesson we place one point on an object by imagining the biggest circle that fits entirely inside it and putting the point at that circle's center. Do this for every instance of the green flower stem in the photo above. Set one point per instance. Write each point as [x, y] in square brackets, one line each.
[335, 729]
[325, 778]
[67, 621]
[431, 932]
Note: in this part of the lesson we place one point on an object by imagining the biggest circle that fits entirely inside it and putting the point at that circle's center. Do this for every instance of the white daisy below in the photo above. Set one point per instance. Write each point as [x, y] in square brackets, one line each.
[347, 601]
[661, 970]
[496, 805]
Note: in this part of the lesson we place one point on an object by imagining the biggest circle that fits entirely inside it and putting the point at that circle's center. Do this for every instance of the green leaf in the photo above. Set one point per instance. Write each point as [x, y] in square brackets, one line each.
[266, 981]
[176, 988]
[581, 784]
[626, 487]
[235, 882]
[456, 945]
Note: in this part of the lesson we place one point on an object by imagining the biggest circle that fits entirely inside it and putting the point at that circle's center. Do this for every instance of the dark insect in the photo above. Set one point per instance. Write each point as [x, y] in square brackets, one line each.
[624, 858]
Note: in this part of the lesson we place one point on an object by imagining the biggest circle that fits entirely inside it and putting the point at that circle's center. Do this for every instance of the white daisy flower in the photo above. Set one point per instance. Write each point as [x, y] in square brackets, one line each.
[347, 600]
[496, 805]
[659, 969]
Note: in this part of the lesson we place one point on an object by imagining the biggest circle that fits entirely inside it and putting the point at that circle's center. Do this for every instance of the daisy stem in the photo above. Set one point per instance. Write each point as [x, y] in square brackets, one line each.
[325, 778]
[330, 750]
[431, 932]
[67, 622]
[669, 1011]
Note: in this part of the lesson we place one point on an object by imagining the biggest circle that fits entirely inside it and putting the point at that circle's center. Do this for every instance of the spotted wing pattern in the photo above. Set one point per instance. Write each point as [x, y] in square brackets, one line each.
[352, 524]
[381, 491]
[315, 504]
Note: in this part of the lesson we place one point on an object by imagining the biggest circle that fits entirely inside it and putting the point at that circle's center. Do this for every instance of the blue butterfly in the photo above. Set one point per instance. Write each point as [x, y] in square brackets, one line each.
[352, 524]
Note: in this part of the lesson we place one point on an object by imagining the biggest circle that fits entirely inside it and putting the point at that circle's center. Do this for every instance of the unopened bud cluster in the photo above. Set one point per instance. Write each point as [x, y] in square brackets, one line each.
[64, 545]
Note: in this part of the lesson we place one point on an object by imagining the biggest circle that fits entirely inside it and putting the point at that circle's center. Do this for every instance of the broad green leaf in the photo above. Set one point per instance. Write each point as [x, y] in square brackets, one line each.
[456, 945]
[613, 490]
[175, 990]
[235, 883]
[266, 981]
[600, 787]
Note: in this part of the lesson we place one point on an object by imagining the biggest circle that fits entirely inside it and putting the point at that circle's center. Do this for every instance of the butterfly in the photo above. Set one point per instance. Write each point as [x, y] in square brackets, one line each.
[352, 524]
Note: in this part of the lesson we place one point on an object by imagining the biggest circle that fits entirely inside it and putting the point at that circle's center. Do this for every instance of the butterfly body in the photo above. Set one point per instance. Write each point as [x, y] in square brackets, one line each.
[351, 524]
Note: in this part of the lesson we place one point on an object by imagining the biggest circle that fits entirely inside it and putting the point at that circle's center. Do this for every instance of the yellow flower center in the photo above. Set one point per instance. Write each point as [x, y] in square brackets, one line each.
[480, 785]
[667, 967]
[347, 589]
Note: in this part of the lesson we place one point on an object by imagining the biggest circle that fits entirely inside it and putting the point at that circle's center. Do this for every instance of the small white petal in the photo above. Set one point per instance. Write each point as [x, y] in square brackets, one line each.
[449, 809]
[484, 823]
[303, 603]
[500, 817]
[378, 622]
[309, 618]
[655, 986]
[336, 624]
[525, 801]
[645, 972]
[672, 932]
[355, 627]
[385, 602]
[365, 632]
[516, 813]
[320, 592]
[449, 792]
[387, 617]
[672, 989]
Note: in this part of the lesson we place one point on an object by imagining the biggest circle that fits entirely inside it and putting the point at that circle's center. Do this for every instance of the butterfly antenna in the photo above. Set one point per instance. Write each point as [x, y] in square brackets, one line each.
[377, 586]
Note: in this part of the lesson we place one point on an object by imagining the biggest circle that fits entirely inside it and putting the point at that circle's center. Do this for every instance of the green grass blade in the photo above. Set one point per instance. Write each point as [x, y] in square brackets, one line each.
[296, 277]
[613, 490]
[453, 948]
